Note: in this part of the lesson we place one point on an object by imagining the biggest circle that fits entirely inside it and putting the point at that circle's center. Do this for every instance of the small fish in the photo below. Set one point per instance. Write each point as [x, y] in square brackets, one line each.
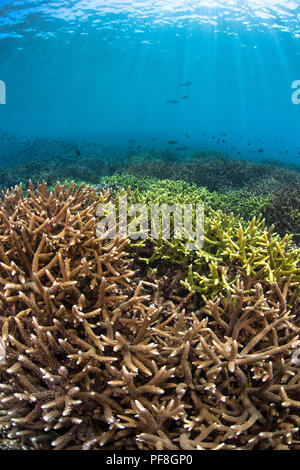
[173, 142]
[260, 150]
[131, 141]
[2, 352]
[185, 97]
[78, 152]
[186, 84]
[153, 138]
[172, 101]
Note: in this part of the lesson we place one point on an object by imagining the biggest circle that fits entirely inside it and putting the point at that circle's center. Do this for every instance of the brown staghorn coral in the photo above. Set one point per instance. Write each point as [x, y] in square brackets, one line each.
[237, 372]
[94, 363]
[56, 276]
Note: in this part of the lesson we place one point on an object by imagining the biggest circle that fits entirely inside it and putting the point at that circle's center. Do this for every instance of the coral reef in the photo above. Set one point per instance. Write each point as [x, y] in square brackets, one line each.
[77, 169]
[243, 187]
[231, 245]
[241, 203]
[283, 211]
[214, 171]
[55, 276]
[102, 352]
[234, 248]
[237, 372]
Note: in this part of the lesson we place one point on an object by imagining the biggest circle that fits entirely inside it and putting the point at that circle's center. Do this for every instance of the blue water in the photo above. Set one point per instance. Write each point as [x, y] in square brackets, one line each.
[213, 75]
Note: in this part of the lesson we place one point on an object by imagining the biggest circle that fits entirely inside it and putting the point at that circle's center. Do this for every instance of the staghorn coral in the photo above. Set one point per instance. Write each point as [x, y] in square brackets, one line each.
[224, 376]
[55, 275]
[284, 211]
[97, 358]
[234, 383]
[243, 187]
[154, 190]
[234, 248]
[231, 244]
[232, 185]
[215, 171]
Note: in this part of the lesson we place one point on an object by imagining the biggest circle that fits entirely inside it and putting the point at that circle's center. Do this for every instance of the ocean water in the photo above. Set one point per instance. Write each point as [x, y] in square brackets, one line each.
[171, 74]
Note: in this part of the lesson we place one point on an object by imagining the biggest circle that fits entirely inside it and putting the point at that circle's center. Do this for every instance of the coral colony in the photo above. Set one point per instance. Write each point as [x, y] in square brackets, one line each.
[122, 344]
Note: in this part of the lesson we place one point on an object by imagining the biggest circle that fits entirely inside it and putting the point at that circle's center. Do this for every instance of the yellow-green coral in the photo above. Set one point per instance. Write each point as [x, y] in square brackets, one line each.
[156, 191]
[249, 248]
[231, 244]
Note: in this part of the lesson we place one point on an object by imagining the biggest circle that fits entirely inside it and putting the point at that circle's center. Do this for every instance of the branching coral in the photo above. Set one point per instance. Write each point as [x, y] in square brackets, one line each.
[224, 376]
[284, 211]
[234, 374]
[55, 276]
[97, 358]
[237, 374]
[239, 186]
[214, 170]
[234, 248]
[231, 244]
[154, 190]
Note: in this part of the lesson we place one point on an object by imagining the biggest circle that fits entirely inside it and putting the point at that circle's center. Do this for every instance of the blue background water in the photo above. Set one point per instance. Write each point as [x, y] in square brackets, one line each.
[104, 71]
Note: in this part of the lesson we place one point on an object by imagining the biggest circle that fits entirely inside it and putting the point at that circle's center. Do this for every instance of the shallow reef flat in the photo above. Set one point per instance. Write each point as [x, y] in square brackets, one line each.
[118, 344]
[243, 187]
